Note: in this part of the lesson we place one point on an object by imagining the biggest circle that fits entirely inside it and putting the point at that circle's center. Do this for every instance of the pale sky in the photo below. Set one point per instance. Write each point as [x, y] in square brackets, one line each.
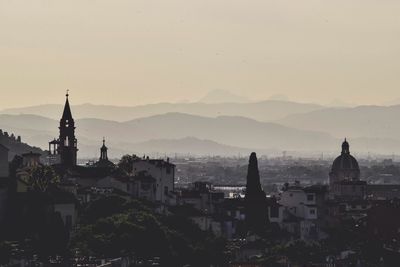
[129, 52]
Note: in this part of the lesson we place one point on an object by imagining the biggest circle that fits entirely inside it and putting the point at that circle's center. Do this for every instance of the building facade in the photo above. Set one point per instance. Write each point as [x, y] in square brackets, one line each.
[164, 174]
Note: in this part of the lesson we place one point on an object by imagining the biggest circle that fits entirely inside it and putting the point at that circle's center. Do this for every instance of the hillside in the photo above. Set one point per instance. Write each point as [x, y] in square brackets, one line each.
[15, 145]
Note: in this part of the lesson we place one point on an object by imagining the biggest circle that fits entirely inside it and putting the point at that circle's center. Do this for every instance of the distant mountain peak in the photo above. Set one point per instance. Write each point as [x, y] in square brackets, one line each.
[279, 97]
[223, 96]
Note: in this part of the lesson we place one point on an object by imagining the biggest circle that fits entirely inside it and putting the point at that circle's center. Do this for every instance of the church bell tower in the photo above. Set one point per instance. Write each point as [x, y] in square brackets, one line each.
[67, 143]
[103, 151]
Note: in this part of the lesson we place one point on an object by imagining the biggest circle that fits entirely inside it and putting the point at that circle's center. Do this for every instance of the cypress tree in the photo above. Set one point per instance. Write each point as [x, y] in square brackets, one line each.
[255, 199]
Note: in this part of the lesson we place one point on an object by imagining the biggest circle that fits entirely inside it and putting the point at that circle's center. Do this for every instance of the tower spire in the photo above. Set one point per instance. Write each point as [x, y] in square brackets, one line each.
[67, 115]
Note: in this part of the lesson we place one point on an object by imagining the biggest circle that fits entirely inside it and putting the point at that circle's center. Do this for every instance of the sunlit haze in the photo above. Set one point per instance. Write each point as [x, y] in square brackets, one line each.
[145, 51]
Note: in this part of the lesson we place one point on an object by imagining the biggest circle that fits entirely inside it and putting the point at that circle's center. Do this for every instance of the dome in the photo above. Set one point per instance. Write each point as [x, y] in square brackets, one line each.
[345, 167]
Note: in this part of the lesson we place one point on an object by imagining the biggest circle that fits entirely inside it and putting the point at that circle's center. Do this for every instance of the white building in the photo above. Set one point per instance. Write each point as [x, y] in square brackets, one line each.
[297, 211]
[299, 203]
[164, 174]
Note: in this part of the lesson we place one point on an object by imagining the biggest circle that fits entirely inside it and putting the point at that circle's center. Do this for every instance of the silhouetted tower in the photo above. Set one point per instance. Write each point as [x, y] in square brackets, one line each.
[256, 205]
[103, 151]
[67, 143]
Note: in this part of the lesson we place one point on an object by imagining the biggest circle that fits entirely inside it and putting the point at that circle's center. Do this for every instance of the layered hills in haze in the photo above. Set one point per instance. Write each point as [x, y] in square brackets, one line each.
[224, 133]
[361, 121]
[263, 111]
[214, 129]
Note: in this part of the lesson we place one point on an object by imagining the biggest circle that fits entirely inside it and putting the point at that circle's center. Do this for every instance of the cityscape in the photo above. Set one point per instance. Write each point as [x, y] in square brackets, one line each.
[204, 211]
[199, 133]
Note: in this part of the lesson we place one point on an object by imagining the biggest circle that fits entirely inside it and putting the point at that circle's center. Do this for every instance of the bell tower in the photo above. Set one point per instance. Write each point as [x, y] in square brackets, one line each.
[67, 143]
[103, 151]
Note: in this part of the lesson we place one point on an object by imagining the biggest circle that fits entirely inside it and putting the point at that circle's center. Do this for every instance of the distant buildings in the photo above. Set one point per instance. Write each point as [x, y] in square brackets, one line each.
[202, 197]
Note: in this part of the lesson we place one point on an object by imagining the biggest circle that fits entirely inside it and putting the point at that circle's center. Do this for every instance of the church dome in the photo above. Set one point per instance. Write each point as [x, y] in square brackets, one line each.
[345, 167]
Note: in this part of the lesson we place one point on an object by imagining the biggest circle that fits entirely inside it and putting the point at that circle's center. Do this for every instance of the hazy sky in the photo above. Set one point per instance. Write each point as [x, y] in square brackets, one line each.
[130, 52]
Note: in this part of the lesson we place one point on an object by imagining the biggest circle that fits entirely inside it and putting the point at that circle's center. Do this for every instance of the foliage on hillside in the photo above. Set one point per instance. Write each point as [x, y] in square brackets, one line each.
[112, 227]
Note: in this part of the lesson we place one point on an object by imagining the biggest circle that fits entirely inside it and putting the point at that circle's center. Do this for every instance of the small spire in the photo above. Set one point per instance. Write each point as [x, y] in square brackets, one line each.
[67, 94]
[104, 141]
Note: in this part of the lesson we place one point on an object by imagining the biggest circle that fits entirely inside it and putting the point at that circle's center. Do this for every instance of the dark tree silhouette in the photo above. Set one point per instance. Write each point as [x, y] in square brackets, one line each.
[256, 206]
[42, 177]
[125, 165]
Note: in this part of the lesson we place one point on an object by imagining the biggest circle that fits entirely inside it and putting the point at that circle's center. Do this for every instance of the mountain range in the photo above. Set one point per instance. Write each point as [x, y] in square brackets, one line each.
[225, 133]
[268, 110]
[287, 126]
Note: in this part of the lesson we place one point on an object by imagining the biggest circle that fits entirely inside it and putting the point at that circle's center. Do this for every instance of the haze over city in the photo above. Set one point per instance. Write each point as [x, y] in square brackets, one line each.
[130, 53]
[200, 133]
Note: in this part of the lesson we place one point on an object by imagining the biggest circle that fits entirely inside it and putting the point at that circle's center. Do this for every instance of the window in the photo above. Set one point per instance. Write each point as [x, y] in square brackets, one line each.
[312, 211]
[310, 197]
[166, 190]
